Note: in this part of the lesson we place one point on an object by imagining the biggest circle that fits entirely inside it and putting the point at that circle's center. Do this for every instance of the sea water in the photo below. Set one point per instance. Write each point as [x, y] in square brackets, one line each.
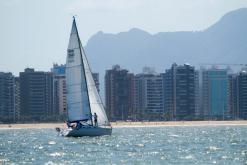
[143, 145]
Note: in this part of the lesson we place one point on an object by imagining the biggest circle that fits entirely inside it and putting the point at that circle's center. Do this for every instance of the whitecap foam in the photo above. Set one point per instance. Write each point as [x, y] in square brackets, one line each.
[140, 145]
[213, 148]
[51, 142]
[50, 163]
[188, 157]
[173, 135]
[4, 160]
[244, 152]
[57, 154]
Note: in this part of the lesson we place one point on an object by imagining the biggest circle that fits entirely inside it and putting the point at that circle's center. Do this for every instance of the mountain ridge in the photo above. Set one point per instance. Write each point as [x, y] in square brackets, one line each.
[223, 42]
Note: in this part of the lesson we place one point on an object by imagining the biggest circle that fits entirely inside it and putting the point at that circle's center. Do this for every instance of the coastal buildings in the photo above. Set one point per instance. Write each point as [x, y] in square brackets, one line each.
[148, 96]
[117, 93]
[17, 100]
[180, 92]
[215, 95]
[242, 94]
[233, 96]
[7, 98]
[59, 90]
[36, 95]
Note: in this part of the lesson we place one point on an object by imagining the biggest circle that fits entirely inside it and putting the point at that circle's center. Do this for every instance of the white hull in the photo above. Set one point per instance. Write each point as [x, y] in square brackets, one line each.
[87, 131]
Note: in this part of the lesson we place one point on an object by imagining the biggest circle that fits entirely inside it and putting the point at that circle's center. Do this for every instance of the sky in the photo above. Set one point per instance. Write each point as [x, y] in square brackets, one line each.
[35, 33]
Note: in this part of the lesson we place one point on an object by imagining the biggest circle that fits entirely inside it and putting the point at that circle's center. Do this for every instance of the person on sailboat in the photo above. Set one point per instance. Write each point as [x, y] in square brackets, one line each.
[71, 125]
[78, 125]
[95, 119]
[68, 124]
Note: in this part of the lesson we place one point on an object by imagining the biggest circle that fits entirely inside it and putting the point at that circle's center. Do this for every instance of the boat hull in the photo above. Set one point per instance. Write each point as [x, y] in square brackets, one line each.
[89, 131]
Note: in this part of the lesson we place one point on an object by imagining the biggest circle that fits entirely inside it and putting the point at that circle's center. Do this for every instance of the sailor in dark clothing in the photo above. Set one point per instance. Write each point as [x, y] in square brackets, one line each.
[95, 119]
[78, 125]
[69, 124]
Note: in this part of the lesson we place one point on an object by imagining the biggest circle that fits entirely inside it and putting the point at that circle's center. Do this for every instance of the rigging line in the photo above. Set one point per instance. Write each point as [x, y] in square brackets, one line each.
[73, 66]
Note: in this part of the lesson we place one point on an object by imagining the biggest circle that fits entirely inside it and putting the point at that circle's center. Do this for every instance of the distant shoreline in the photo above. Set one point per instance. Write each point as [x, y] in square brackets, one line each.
[131, 124]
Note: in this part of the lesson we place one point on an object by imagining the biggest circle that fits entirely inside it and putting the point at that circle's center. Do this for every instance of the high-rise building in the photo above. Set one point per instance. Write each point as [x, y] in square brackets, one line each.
[233, 96]
[215, 95]
[17, 99]
[242, 94]
[169, 93]
[59, 90]
[7, 97]
[131, 83]
[117, 93]
[36, 95]
[148, 97]
[180, 83]
[198, 111]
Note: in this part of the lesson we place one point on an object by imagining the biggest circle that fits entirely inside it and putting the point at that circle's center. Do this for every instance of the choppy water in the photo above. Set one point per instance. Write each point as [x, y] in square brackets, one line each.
[149, 145]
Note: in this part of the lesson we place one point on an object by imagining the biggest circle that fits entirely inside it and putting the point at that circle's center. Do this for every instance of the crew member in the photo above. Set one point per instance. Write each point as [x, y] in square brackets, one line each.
[95, 119]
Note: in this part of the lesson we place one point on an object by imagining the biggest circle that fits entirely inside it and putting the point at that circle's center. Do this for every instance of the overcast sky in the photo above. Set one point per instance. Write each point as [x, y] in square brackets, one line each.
[35, 33]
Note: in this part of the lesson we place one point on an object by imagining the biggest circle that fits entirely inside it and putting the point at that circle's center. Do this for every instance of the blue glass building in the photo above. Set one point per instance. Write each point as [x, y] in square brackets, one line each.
[58, 69]
[215, 93]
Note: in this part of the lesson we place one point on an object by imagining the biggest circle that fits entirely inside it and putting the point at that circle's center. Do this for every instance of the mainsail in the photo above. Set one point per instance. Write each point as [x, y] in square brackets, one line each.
[83, 99]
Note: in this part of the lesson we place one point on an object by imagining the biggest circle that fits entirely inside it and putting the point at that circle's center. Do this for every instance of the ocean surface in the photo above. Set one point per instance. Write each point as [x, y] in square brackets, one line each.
[143, 145]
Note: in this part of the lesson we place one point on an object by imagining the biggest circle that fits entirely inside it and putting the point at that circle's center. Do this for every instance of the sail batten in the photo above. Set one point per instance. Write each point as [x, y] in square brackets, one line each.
[83, 99]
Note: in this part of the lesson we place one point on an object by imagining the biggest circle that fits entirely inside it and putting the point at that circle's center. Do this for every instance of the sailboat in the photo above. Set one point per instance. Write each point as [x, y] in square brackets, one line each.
[85, 107]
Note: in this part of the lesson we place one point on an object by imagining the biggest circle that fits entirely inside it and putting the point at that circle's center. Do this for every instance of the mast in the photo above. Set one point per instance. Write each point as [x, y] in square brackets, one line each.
[81, 48]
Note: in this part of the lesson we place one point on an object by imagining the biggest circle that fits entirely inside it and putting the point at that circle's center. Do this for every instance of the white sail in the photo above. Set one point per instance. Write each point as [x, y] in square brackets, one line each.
[94, 97]
[77, 94]
[83, 97]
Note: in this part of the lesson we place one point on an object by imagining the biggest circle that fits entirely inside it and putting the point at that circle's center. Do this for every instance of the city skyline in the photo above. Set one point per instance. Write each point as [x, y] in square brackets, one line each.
[179, 93]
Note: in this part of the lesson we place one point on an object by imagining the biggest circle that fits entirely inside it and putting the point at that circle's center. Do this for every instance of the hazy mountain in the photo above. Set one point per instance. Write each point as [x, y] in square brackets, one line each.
[223, 42]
